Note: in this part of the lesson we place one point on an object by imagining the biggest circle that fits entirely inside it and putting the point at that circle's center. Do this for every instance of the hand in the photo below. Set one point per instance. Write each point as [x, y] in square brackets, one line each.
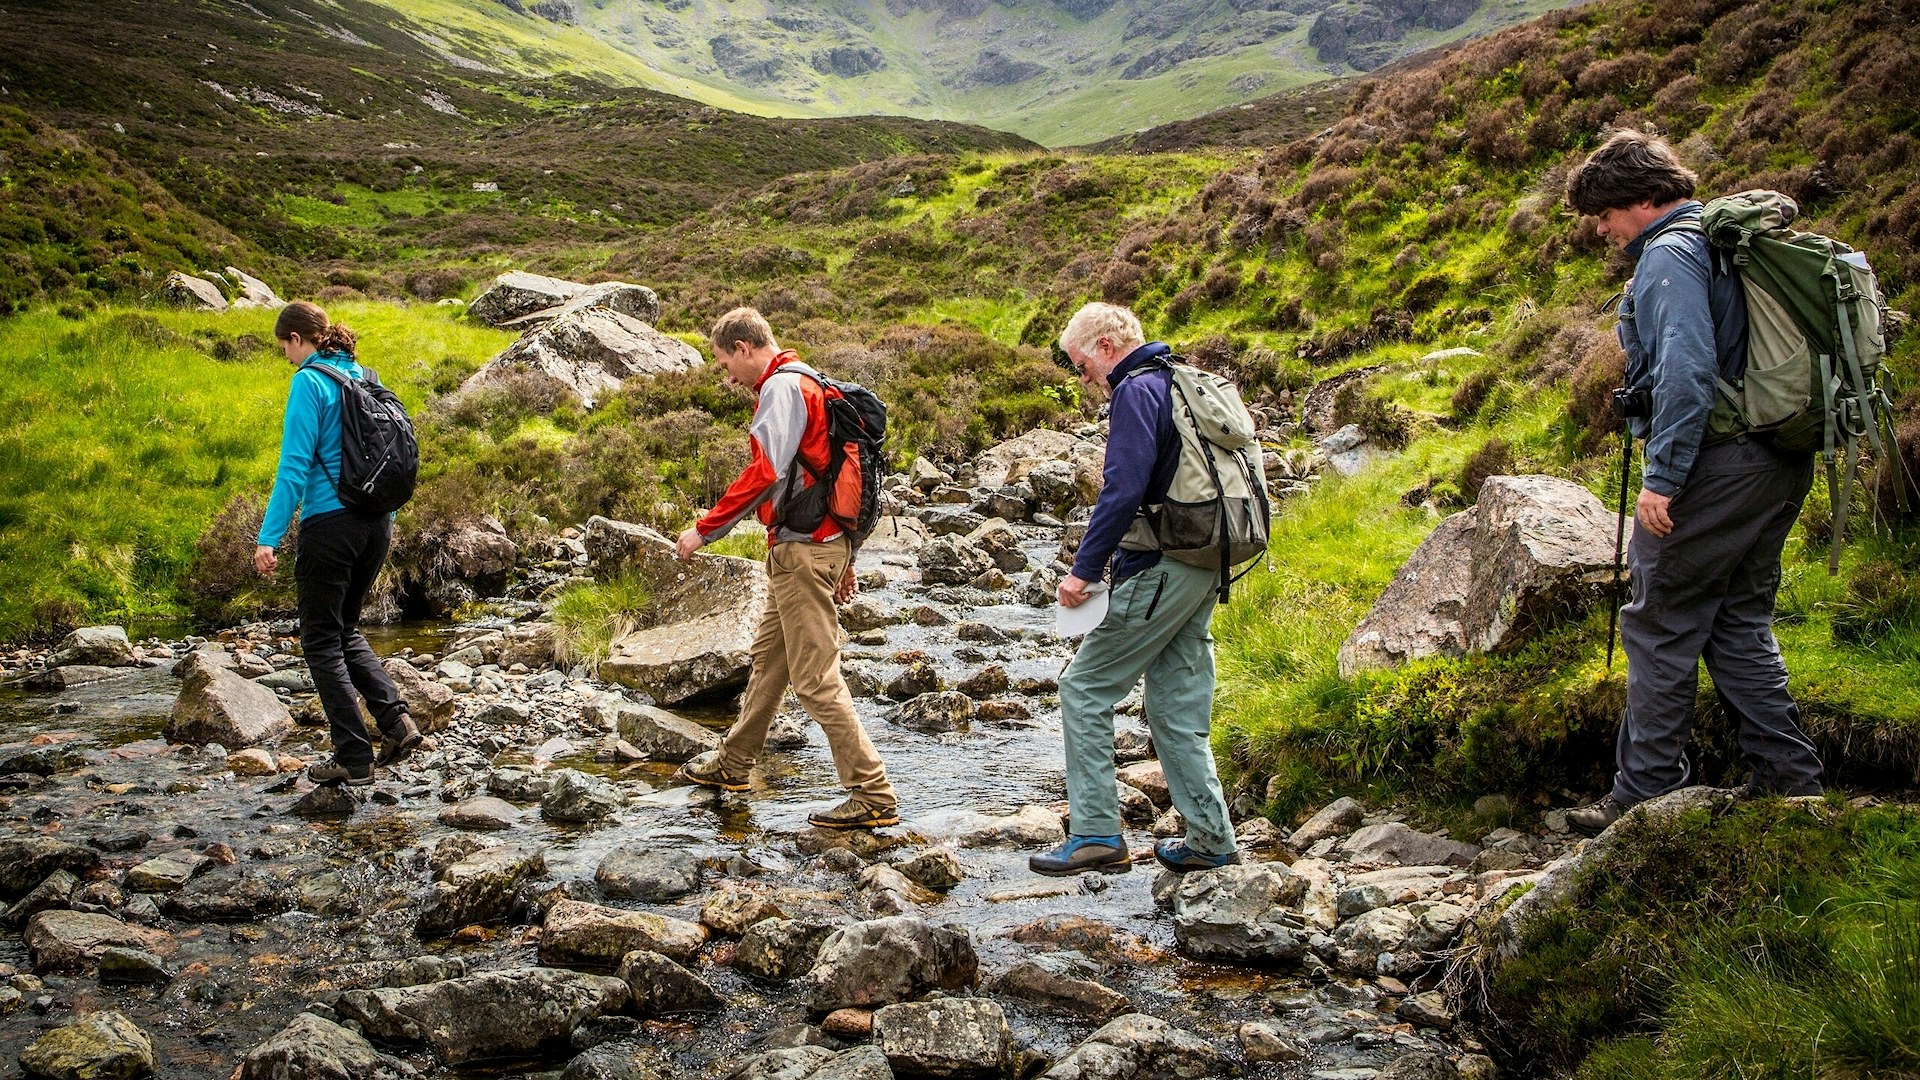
[1651, 513]
[1072, 591]
[264, 560]
[690, 542]
[849, 585]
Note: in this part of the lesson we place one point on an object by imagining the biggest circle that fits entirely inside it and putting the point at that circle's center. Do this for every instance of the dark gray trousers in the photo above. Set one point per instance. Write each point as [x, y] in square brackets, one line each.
[1706, 591]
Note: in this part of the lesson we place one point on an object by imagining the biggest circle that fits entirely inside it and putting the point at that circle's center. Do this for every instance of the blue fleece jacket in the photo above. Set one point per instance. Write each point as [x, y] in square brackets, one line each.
[311, 430]
[1683, 326]
[1143, 451]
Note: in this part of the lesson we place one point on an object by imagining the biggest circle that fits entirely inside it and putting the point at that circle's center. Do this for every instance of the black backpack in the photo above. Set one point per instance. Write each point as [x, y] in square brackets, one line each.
[857, 432]
[379, 458]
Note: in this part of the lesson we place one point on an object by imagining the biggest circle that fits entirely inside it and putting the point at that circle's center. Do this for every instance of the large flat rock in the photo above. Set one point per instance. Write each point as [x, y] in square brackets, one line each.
[219, 706]
[591, 935]
[588, 353]
[519, 1012]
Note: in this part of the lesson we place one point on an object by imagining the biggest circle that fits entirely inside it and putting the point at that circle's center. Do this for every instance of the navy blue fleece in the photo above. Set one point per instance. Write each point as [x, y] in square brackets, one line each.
[1143, 450]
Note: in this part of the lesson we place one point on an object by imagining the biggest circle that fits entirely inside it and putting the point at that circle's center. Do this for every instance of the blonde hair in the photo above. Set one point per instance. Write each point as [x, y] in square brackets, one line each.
[1097, 320]
[312, 324]
[741, 326]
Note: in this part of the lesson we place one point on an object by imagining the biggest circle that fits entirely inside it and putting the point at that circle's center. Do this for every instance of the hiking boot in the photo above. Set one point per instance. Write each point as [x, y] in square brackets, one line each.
[398, 742]
[1107, 854]
[1176, 856]
[1593, 819]
[855, 814]
[707, 771]
[336, 772]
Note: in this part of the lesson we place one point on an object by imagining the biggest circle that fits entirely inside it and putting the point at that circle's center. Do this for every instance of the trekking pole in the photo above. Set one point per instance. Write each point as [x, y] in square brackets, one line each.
[1619, 536]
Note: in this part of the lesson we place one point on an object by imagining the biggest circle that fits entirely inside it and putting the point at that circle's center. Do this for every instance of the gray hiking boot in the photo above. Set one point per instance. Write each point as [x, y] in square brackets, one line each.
[1592, 820]
[335, 772]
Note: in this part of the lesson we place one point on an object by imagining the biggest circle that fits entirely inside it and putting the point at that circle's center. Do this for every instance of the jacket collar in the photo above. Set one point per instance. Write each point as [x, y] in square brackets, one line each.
[1689, 209]
[1137, 359]
[784, 356]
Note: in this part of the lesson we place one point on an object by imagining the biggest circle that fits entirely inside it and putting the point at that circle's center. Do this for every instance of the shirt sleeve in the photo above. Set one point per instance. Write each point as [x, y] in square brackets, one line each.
[1133, 440]
[779, 420]
[299, 443]
[1671, 303]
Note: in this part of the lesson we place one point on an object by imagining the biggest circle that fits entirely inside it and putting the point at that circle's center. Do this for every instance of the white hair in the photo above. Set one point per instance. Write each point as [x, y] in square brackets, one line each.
[1097, 320]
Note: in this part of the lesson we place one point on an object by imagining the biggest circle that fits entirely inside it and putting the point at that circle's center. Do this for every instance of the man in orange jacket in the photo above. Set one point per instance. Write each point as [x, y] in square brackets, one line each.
[807, 572]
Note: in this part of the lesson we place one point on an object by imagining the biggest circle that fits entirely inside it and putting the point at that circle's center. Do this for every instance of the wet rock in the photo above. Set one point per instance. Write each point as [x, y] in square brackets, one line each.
[326, 800]
[703, 614]
[500, 714]
[988, 682]
[428, 702]
[481, 812]
[1419, 1065]
[484, 887]
[314, 1048]
[233, 894]
[52, 894]
[1135, 808]
[1265, 1044]
[1240, 913]
[656, 986]
[887, 891]
[1030, 826]
[1476, 1067]
[591, 935]
[69, 941]
[104, 1046]
[1002, 713]
[1427, 1010]
[44, 760]
[122, 840]
[1060, 991]
[53, 680]
[945, 1037]
[518, 785]
[890, 960]
[954, 521]
[219, 706]
[848, 1023]
[733, 912]
[253, 762]
[1000, 543]
[781, 948]
[639, 872]
[1137, 1045]
[937, 869]
[935, 713]
[1393, 843]
[1148, 777]
[1169, 824]
[576, 797]
[919, 678]
[166, 873]
[1532, 553]
[518, 1012]
[1338, 818]
[656, 733]
[99, 646]
[866, 613]
[950, 560]
[792, 1063]
[1259, 834]
[133, 967]
[1362, 942]
[186, 291]
[623, 1059]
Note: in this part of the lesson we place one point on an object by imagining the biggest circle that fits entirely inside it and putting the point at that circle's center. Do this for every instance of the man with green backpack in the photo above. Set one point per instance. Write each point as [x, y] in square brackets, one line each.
[1750, 349]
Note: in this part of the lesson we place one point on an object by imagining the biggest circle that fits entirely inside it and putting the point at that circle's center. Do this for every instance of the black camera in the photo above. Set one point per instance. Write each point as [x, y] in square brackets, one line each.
[1631, 402]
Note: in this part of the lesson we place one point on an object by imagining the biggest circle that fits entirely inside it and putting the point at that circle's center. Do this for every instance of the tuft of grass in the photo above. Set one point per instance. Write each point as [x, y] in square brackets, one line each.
[589, 617]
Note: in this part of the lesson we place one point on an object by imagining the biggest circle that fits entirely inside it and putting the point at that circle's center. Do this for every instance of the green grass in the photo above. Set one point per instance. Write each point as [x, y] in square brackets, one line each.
[590, 616]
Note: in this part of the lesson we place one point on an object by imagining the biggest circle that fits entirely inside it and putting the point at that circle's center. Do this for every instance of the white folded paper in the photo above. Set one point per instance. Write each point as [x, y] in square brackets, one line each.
[1075, 621]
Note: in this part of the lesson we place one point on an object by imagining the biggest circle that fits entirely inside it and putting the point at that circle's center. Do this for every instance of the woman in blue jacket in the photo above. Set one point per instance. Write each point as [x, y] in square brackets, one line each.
[340, 554]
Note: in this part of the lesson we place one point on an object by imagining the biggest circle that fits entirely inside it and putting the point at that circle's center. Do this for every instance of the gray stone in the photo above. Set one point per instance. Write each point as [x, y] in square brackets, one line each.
[789, 1063]
[945, 1037]
[1427, 1010]
[516, 294]
[52, 894]
[949, 560]
[918, 678]
[481, 812]
[187, 291]
[1241, 913]
[99, 646]
[577, 933]
[936, 713]
[1419, 1065]
[484, 887]
[1264, 1044]
[518, 1012]
[1394, 843]
[700, 620]
[314, 1048]
[656, 986]
[734, 911]
[503, 714]
[937, 869]
[219, 706]
[635, 301]
[165, 873]
[656, 733]
[104, 1046]
[588, 353]
[1137, 1045]
[326, 800]
[1029, 826]
[779, 948]
[234, 894]
[883, 961]
[254, 293]
[1038, 983]
[125, 966]
[576, 797]
[1337, 818]
[518, 785]
[69, 941]
[1001, 544]
[859, 1063]
[652, 875]
[1532, 553]
[865, 613]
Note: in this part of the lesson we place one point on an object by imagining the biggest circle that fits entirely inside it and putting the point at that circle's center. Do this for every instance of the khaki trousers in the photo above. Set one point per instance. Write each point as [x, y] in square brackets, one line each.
[799, 643]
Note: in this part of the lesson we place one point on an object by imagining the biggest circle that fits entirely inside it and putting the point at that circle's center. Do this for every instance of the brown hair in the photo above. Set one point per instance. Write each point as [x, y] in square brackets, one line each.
[311, 323]
[741, 326]
[1630, 168]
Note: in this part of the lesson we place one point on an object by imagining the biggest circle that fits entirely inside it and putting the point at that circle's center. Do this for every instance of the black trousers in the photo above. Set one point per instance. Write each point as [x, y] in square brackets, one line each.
[338, 558]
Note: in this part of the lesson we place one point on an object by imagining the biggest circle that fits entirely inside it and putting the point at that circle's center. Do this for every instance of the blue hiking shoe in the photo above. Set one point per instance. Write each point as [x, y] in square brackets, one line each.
[1107, 854]
[1176, 856]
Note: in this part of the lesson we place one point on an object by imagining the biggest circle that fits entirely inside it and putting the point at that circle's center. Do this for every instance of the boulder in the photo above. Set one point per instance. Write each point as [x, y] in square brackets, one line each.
[103, 1046]
[950, 560]
[530, 644]
[1337, 818]
[235, 894]
[481, 812]
[254, 293]
[69, 941]
[1242, 913]
[993, 466]
[166, 873]
[1395, 844]
[516, 294]
[576, 797]
[99, 646]
[1149, 778]
[780, 948]
[859, 1063]
[700, 620]
[634, 301]
[989, 682]
[484, 887]
[1001, 544]
[26, 861]
[481, 554]
[656, 733]
[1060, 991]
[187, 291]
[945, 1037]
[588, 353]
[1363, 942]
[1532, 553]
[652, 875]
[865, 613]
[314, 1048]
[133, 967]
[656, 986]
[1029, 826]
[518, 1012]
[1419, 1065]
[589, 935]
[919, 678]
[936, 713]
[1265, 1044]
[1137, 1045]
[897, 535]
[788, 1063]
[219, 706]
[734, 911]
[937, 869]
[428, 702]
[53, 893]
[883, 961]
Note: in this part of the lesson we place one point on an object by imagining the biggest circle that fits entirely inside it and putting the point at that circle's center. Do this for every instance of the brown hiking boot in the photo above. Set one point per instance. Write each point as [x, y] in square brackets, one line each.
[1593, 819]
[707, 771]
[335, 772]
[398, 742]
[855, 814]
